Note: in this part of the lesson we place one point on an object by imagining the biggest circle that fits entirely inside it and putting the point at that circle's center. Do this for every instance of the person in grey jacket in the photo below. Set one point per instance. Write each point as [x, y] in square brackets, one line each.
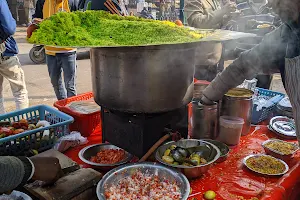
[278, 52]
[16, 171]
[207, 14]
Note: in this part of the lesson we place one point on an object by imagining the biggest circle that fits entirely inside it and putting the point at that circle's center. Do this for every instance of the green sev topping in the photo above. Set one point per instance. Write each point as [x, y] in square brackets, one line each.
[99, 28]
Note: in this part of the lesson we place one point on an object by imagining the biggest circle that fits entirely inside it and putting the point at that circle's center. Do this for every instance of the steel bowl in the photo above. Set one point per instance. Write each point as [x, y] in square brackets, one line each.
[224, 149]
[278, 154]
[86, 153]
[258, 155]
[113, 177]
[211, 154]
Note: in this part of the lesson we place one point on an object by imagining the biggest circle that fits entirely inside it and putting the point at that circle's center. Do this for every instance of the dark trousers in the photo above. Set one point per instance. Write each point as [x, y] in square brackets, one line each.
[62, 64]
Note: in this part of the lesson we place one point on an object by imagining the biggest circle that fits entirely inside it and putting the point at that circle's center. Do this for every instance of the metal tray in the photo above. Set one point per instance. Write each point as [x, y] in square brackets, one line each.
[277, 124]
[259, 155]
[217, 35]
[281, 135]
[278, 154]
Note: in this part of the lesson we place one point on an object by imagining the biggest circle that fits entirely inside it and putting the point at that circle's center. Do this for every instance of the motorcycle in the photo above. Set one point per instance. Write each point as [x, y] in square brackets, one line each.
[37, 54]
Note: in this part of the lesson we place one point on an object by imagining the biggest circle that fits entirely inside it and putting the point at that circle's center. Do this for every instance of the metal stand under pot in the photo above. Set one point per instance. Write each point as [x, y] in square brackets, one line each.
[142, 91]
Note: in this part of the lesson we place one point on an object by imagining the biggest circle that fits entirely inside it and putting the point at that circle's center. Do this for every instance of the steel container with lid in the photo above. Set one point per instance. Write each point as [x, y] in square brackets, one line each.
[238, 102]
[204, 121]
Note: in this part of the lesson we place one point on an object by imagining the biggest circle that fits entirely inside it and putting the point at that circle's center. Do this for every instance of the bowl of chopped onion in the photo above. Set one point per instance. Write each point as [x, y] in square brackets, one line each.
[104, 156]
[143, 181]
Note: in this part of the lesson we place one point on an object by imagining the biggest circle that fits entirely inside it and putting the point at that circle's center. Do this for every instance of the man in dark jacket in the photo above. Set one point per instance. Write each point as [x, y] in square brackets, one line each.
[278, 52]
[207, 14]
[10, 67]
[16, 171]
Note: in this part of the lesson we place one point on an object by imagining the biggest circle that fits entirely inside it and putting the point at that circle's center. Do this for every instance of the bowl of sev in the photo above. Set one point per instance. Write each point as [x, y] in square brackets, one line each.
[280, 149]
[265, 165]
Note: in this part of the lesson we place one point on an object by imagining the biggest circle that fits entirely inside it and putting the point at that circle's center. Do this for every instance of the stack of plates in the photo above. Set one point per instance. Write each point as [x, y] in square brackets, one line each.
[284, 108]
[283, 127]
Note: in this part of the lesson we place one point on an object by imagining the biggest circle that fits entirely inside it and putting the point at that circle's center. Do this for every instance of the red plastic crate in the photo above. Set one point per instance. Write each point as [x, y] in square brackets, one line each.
[86, 124]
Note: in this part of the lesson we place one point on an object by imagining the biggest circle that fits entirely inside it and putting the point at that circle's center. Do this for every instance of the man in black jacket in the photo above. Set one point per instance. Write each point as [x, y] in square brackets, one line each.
[278, 52]
[16, 171]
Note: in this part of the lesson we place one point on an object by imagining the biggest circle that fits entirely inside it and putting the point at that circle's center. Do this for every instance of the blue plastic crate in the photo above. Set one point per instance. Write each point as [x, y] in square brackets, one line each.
[24, 143]
[264, 113]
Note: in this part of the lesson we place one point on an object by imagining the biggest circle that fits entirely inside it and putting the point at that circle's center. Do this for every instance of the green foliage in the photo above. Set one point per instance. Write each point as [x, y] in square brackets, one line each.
[99, 28]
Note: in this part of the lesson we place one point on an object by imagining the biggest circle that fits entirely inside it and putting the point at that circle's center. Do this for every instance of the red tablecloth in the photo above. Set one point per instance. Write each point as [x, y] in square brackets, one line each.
[230, 180]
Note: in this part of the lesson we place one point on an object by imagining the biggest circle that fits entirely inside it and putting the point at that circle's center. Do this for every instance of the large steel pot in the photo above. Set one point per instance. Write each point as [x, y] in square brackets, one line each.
[145, 79]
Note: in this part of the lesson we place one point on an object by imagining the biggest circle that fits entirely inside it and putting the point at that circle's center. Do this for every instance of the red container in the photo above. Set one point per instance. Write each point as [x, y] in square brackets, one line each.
[86, 124]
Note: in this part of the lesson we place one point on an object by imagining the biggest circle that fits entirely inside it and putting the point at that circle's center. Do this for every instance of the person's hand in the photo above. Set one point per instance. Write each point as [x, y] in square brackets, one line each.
[206, 101]
[31, 28]
[47, 169]
[229, 7]
[37, 20]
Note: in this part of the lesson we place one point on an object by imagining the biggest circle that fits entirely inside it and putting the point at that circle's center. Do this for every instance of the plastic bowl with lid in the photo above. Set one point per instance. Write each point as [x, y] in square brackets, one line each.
[230, 130]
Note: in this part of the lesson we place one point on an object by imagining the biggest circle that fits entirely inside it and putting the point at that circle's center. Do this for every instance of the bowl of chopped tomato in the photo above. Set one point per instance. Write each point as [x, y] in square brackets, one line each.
[104, 156]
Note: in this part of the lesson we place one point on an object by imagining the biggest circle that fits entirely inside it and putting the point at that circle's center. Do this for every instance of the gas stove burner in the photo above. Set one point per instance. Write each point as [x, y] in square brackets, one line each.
[137, 133]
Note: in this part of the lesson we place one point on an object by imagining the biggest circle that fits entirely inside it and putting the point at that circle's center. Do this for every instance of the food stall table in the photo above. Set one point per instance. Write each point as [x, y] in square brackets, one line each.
[230, 179]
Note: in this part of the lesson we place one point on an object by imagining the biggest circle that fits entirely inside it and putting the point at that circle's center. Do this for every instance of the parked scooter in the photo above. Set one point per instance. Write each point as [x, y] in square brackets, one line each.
[37, 54]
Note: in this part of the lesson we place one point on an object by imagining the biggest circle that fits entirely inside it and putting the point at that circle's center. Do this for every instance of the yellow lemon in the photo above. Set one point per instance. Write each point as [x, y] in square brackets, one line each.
[209, 195]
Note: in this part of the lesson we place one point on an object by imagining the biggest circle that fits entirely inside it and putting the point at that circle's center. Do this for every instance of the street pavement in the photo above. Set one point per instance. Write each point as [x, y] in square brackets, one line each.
[38, 82]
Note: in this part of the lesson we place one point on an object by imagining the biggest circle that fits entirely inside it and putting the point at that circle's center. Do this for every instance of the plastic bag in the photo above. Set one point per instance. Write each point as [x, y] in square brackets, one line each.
[15, 195]
[68, 141]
